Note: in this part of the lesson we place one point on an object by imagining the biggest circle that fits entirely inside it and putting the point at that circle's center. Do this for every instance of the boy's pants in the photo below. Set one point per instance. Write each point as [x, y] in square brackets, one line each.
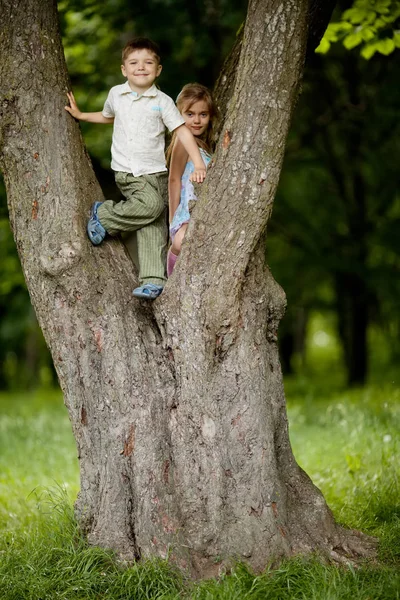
[143, 211]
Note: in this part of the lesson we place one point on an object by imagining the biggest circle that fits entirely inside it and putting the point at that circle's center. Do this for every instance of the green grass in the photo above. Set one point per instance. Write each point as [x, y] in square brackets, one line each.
[36, 449]
[347, 441]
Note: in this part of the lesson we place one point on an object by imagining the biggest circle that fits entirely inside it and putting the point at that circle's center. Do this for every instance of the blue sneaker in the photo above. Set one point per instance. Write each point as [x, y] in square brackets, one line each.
[95, 229]
[148, 291]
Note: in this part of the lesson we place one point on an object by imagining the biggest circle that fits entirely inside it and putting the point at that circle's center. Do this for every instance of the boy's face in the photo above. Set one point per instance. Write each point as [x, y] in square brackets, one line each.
[141, 68]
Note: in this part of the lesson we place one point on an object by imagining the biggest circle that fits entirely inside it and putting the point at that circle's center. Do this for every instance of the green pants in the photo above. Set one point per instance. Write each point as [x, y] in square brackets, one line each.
[143, 210]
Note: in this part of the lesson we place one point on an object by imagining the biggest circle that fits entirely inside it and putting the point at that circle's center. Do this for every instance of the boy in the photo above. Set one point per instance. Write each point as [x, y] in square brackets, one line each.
[140, 112]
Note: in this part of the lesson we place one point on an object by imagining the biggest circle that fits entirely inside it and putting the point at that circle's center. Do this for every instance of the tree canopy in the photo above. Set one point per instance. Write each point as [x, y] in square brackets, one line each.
[371, 25]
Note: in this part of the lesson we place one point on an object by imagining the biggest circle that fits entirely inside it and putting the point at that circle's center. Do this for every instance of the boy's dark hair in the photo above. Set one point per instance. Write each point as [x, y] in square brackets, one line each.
[141, 43]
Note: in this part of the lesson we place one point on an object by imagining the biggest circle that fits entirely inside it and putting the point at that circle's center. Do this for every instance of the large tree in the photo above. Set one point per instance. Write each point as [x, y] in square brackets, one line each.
[177, 407]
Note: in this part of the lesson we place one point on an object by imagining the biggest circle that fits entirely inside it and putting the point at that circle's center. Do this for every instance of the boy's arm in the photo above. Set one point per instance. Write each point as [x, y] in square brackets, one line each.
[187, 139]
[178, 161]
[95, 117]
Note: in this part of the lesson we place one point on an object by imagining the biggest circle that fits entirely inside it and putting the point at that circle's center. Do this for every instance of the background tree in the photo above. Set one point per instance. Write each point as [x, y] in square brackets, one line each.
[337, 206]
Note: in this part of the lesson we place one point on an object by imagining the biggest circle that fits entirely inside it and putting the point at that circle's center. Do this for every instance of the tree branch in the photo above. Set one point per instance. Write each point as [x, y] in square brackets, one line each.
[320, 13]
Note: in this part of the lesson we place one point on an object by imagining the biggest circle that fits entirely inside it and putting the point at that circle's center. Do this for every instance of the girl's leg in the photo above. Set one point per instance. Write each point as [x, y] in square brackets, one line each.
[175, 249]
[171, 260]
[178, 239]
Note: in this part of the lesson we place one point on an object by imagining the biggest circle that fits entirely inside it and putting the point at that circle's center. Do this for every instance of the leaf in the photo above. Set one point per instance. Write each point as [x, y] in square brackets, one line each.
[323, 47]
[352, 40]
[337, 28]
[371, 16]
[368, 51]
[382, 5]
[379, 23]
[345, 26]
[388, 18]
[355, 15]
[331, 33]
[396, 39]
[385, 46]
[367, 34]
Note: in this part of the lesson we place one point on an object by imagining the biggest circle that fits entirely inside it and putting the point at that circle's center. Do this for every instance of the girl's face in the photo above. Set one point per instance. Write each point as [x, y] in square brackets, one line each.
[197, 117]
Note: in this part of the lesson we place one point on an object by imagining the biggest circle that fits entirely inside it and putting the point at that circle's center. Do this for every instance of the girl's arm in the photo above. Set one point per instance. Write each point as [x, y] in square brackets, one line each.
[177, 166]
[95, 117]
[186, 137]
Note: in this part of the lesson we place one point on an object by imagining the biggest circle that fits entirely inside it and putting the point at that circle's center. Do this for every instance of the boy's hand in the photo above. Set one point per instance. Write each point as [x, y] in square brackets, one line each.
[73, 108]
[198, 175]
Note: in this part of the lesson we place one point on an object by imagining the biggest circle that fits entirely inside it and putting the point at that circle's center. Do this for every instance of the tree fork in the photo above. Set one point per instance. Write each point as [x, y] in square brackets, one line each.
[177, 408]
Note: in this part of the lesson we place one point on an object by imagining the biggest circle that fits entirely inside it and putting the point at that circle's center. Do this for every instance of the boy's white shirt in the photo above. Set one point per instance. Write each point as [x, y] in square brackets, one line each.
[138, 141]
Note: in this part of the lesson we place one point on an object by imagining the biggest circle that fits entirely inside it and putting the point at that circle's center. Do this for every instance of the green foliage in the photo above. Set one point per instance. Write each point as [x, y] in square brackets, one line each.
[336, 214]
[346, 441]
[370, 24]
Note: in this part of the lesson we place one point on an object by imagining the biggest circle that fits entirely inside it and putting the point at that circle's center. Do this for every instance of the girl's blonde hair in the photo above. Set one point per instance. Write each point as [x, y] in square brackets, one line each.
[189, 95]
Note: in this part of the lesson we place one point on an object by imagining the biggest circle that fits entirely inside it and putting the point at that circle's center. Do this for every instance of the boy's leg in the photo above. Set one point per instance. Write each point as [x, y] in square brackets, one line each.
[142, 204]
[152, 240]
[152, 249]
[142, 211]
[94, 228]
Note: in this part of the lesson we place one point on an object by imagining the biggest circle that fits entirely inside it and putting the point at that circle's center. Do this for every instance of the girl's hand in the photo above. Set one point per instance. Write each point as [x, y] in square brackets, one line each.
[73, 108]
[198, 175]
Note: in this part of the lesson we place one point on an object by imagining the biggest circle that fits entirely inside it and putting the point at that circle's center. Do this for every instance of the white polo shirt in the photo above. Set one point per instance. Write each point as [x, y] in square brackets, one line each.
[138, 141]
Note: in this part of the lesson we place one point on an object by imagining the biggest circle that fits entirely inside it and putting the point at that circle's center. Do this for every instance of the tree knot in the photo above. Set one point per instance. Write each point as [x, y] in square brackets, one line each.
[226, 139]
[129, 444]
[56, 262]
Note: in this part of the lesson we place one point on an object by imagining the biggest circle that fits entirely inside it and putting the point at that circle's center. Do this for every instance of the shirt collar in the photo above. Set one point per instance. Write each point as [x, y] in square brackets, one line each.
[151, 92]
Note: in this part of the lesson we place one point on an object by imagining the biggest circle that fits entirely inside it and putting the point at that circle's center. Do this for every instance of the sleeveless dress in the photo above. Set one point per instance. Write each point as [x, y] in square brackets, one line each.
[182, 215]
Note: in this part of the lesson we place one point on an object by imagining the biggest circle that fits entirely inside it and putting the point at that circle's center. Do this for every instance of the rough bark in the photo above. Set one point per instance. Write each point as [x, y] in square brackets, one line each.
[177, 408]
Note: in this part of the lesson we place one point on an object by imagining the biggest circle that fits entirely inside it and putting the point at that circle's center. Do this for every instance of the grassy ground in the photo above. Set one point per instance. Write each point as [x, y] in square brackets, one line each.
[347, 441]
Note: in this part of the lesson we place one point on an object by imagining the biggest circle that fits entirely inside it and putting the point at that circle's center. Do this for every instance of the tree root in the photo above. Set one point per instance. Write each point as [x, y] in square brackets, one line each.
[354, 548]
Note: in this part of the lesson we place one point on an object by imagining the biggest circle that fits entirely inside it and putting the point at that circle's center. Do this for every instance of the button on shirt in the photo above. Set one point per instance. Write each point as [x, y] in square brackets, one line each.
[138, 141]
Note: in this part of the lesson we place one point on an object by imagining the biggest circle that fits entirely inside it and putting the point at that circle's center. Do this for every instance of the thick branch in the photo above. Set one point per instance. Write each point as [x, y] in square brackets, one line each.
[320, 12]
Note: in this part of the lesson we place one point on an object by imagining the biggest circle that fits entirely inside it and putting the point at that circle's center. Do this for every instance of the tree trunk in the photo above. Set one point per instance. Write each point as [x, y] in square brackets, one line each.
[177, 407]
[352, 308]
[344, 154]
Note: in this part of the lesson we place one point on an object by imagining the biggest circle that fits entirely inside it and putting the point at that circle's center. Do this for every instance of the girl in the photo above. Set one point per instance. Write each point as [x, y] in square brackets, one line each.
[196, 105]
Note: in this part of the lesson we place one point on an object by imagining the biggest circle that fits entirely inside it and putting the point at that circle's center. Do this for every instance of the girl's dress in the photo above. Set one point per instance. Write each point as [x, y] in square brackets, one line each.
[182, 215]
